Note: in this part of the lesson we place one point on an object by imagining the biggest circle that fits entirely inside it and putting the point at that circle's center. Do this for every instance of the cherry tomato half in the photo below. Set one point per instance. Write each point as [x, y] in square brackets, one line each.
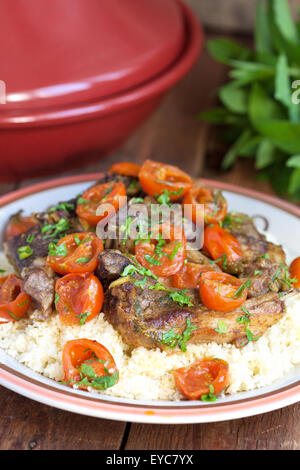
[75, 253]
[219, 243]
[14, 302]
[215, 205]
[295, 271]
[18, 224]
[112, 195]
[156, 178]
[126, 168]
[189, 275]
[207, 376]
[165, 252]
[221, 291]
[79, 298]
[91, 360]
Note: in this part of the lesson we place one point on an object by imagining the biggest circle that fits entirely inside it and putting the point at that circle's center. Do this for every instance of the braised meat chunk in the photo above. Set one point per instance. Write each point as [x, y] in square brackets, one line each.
[148, 317]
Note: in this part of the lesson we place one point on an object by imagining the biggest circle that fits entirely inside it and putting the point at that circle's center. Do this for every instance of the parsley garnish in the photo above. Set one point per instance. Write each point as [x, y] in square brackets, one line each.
[30, 238]
[210, 397]
[164, 197]
[64, 206]
[222, 327]
[25, 251]
[56, 229]
[84, 259]
[82, 317]
[171, 339]
[57, 250]
[222, 258]
[89, 378]
[239, 292]
[130, 269]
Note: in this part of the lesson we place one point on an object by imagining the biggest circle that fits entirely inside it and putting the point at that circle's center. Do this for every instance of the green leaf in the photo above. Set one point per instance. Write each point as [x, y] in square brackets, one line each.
[234, 98]
[282, 81]
[284, 21]
[265, 154]
[284, 134]
[248, 72]
[283, 31]
[234, 150]
[294, 183]
[250, 147]
[294, 161]
[283, 88]
[225, 50]
[262, 107]
[263, 39]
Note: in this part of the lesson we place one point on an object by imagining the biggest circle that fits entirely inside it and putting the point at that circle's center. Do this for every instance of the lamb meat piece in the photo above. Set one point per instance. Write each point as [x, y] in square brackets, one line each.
[39, 283]
[38, 239]
[144, 317]
[111, 265]
[39, 245]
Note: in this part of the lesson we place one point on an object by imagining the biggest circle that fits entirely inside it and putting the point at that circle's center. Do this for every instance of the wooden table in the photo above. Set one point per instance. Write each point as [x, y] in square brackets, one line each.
[173, 134]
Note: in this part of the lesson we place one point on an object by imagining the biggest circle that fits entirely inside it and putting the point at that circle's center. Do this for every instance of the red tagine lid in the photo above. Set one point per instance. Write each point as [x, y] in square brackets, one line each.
[57, 53]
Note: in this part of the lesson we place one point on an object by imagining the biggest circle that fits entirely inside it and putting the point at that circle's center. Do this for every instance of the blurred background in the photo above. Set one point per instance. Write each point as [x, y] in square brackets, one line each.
[165, 121]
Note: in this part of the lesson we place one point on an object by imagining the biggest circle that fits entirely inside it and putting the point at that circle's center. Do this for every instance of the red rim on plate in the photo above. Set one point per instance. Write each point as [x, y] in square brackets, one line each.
[111, 408]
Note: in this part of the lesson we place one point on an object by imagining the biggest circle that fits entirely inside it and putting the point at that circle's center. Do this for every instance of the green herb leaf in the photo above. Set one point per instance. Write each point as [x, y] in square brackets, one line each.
[24, 252]
[222, 327]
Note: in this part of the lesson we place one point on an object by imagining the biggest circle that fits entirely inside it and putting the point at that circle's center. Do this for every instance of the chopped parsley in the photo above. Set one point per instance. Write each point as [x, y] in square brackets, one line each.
[55, 229]
[82, 317]
[25, 251]
[30, 238]
[23, 303]
[222, 258]
[82, 201]
[245, 320]
[176, 295]
[56, 299]
[240, 291]
[209, 397]
[164, 197]
[131, 269]
[222, 327]
[84, 259]
[257, 272]
[89, 378]
[57, 250]
[64, 206]
[171, 339]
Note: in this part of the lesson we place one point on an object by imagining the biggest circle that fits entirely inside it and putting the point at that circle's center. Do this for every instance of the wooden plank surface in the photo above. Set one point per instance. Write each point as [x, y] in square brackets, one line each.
[175, 135]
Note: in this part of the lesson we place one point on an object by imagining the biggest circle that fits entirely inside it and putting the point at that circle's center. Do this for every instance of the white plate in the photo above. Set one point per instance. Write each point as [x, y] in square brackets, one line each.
[284, 225]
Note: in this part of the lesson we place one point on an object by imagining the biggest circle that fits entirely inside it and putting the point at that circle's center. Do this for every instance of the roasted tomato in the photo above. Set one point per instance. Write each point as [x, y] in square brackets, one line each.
[295, 271]
[112, 195]
[165, 252]
[189, 275]
[126, 168]
[215, 205]
[220, 244]
[202, 380]
[157, 178]
[75, 253]
[221, 291]
[79, 298]
[87, 363]
[18, 224]
[14, 302]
